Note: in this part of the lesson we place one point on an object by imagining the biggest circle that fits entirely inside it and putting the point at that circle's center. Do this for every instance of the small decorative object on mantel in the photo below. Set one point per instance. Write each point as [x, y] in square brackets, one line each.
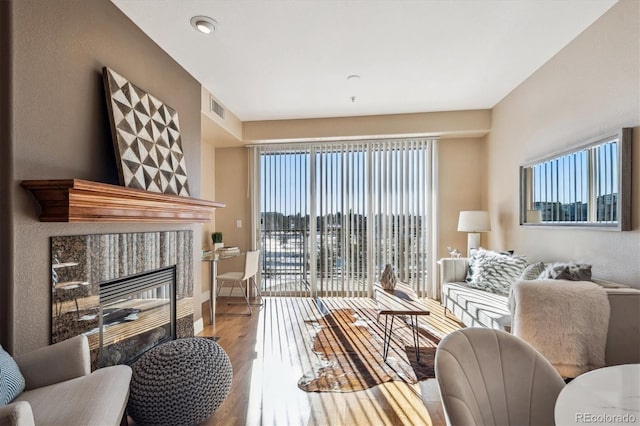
[388, 279]
[454, 252]
[146, 137]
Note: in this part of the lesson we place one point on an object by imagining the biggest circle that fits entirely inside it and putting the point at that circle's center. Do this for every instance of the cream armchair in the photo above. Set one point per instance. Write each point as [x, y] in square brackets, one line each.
[490, 377]
[62, 390]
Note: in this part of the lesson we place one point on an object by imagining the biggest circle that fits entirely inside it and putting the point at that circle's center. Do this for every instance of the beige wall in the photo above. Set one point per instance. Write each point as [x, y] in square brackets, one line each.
[232, 188]
[589, 88]
[462, 186]
[472, 123]
[208, 176]
[61, 130]
[208, 168]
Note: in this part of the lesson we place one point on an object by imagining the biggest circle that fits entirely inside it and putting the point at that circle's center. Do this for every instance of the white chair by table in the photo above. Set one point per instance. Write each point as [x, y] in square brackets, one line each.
[251, 264]
[490, 377]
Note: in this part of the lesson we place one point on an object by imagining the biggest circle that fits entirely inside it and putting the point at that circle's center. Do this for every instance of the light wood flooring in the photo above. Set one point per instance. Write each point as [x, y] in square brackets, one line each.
[269, 353]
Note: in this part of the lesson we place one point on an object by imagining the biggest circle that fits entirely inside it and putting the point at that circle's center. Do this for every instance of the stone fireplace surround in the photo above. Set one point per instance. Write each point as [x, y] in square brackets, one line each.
[79, 263]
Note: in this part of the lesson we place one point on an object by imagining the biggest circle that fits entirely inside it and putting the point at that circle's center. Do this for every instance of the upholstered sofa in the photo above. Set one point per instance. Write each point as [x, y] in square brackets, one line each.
[62, 390]
[478, 308]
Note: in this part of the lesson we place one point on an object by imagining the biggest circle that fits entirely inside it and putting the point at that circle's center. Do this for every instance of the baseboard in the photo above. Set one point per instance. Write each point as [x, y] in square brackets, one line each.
[198, 326]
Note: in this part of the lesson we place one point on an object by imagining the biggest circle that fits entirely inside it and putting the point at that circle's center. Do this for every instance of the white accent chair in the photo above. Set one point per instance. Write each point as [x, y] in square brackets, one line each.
[62, 390]
[490, 377]
[251, 264]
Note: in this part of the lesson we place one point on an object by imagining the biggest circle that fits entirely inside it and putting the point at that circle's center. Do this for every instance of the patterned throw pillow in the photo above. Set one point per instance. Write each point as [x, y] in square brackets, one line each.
[11, 380]
[496, 272]
[567, 271]
[532, 272]
[472, 260]
[475, 254]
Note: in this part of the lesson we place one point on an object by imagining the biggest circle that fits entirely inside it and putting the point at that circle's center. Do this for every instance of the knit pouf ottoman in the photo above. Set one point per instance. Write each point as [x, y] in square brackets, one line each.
[181, 382]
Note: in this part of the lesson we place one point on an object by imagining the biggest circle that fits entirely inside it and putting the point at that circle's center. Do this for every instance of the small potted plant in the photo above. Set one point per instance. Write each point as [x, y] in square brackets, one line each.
[216, 237]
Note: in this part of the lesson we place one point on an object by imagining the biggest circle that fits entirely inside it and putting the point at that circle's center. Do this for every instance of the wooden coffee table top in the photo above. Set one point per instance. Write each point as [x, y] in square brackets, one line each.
[401, 301]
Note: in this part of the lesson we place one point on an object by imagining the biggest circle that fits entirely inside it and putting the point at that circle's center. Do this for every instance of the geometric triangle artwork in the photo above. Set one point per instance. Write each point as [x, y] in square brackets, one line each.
[146, 138]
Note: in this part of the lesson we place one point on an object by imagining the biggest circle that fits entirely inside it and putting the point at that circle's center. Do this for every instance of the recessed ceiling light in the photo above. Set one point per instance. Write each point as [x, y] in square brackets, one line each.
[353, 77]
[204, 24]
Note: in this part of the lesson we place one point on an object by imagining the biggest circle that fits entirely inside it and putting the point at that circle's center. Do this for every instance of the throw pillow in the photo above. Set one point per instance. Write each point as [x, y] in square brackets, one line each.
[11, 380]
[567, 271]
[495, 272]
[472, 260]
[474, 254]
[532, 272]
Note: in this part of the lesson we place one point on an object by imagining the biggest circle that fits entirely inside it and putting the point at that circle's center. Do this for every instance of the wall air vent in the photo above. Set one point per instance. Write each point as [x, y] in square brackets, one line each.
[217, 108]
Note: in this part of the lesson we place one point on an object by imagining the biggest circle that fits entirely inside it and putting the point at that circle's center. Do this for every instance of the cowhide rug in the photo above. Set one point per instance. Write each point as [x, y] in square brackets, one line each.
[348, 343]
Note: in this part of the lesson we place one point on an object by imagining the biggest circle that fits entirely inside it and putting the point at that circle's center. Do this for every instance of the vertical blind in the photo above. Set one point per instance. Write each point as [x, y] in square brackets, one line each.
[329, 216]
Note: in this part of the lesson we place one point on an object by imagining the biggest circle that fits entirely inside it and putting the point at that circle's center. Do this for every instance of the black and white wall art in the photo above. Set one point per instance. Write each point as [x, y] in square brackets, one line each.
[146, 137]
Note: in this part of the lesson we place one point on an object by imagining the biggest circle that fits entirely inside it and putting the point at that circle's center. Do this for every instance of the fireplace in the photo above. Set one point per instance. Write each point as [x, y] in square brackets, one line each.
[136, 313]
[126, 292]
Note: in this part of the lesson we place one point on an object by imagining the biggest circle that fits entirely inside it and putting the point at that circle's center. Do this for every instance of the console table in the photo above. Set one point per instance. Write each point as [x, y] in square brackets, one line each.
[402, 300]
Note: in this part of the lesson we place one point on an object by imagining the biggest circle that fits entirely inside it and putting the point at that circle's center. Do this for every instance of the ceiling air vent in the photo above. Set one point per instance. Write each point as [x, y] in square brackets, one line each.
[217, 109]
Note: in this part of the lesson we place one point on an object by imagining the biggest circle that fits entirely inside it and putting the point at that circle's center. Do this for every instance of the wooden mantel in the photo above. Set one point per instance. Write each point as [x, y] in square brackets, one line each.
[75, 200]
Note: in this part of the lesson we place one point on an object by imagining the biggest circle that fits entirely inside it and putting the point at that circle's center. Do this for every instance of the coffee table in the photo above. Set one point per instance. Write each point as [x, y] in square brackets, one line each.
[402, 300]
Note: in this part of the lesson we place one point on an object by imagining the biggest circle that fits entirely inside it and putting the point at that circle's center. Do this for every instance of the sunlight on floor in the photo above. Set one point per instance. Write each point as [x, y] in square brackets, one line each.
[271, 350]
[271, 401]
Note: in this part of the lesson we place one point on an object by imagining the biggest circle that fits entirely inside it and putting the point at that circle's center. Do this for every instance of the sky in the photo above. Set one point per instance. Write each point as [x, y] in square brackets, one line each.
[342, 182]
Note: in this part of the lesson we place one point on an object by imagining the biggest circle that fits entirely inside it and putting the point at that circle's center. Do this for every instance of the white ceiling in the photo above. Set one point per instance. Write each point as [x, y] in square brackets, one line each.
[290, 59]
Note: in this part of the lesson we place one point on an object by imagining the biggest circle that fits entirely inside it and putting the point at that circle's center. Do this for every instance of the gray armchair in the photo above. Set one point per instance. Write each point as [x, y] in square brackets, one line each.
[61, 390]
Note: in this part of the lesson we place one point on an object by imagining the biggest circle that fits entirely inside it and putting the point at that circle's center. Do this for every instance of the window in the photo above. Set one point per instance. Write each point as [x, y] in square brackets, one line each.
[330, 216]
[589, 186]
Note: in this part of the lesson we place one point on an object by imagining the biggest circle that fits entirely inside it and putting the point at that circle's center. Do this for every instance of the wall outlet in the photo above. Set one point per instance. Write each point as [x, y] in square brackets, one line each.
[238, 223]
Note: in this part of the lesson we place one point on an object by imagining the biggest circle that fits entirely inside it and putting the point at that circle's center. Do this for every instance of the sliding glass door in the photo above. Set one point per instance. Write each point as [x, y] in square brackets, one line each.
[284, 221]
[330, 216]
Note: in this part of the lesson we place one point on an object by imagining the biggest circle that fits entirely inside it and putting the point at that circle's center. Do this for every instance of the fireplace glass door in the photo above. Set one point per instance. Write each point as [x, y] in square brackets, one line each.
[136, 313]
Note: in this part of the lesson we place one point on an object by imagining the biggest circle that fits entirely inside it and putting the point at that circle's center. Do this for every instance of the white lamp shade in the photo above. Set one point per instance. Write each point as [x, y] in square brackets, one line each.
[474, 221]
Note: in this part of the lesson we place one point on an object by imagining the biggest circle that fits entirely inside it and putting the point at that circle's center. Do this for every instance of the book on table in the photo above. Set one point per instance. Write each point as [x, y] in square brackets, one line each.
[230, 249]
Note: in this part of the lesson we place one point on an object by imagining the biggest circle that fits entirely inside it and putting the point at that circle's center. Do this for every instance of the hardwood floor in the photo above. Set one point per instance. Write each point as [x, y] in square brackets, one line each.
[269, 353]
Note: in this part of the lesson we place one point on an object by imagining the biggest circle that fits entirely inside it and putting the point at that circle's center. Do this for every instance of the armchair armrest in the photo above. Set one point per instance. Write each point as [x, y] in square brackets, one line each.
[16, 414]
[55, 363]
[453, 269]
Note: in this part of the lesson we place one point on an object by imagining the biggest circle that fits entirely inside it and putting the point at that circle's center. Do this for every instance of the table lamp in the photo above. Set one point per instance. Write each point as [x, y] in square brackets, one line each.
[473, 222]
